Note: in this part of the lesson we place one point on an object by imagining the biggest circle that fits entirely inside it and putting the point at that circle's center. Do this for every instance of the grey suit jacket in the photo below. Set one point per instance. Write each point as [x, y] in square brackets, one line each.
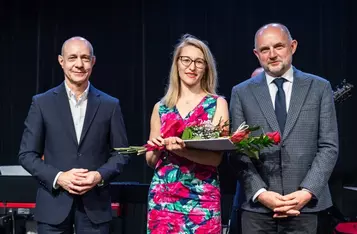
[308, 150]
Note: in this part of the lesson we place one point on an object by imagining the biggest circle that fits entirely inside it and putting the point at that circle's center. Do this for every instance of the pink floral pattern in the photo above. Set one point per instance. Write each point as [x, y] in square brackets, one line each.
[184, 196]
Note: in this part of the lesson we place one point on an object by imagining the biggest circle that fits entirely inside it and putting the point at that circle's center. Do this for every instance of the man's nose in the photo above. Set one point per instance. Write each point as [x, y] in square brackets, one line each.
[272, 53]
[79, 63]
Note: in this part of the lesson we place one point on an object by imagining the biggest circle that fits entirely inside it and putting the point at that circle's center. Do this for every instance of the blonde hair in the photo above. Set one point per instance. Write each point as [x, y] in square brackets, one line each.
[209, 80]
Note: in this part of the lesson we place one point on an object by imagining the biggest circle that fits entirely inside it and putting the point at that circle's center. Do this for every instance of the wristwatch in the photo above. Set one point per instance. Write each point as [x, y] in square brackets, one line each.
[101, 183]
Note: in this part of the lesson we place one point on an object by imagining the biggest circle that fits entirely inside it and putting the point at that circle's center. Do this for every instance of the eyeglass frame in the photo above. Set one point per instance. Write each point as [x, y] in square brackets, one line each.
[194, 61]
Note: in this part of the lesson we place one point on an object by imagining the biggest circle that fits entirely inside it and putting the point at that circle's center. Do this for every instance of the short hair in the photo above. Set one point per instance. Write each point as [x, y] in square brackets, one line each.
[209, 80]
[283, 27]
[91, 50]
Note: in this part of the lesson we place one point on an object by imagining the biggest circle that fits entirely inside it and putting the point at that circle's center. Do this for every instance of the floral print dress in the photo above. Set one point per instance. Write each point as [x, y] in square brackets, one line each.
[184, 196]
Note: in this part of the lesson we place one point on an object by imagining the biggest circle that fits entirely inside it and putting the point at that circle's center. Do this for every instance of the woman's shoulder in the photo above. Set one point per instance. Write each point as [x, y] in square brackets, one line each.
[162, 108]
[218, 98]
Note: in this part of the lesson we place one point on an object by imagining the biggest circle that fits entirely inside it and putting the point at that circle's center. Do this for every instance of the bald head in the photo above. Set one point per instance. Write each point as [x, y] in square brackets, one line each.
[272, 26]
[74, 40]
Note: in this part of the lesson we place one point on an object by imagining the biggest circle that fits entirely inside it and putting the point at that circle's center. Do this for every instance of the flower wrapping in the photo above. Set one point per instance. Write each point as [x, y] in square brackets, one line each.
[200, 127]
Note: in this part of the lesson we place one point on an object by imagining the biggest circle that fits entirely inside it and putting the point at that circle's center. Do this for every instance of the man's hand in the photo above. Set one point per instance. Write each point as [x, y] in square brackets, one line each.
[274, 200]
[65, 179]
[84, 184]
[286, 214]
[302, 196]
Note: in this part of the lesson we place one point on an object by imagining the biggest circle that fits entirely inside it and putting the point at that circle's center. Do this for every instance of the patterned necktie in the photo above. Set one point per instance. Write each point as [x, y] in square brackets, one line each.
[280, 103]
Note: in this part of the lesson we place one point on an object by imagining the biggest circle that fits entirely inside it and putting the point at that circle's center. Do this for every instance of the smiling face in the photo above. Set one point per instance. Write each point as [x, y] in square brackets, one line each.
[274, 50]
[77, 61]
[191, 65]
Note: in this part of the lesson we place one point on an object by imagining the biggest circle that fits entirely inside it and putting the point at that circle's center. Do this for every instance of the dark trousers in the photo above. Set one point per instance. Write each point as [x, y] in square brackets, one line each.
[77, 221]
[259, 223]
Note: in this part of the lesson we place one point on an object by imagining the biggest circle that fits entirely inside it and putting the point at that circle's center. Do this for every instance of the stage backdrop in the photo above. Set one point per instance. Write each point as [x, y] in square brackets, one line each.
[133, 41]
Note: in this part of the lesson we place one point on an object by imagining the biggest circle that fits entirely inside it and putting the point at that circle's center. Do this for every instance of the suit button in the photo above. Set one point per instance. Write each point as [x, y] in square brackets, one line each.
[79, 154]
[283, 145]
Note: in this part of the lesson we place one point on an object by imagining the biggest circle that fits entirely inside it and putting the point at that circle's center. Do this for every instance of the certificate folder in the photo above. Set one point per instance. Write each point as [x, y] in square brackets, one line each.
[215, 144]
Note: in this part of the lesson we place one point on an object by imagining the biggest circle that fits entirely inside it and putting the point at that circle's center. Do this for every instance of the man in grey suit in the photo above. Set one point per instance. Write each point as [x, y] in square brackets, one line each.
[288, 185]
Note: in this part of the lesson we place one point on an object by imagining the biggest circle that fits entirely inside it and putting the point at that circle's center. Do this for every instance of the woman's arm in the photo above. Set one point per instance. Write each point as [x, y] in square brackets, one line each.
[204, 157]
[153, 156]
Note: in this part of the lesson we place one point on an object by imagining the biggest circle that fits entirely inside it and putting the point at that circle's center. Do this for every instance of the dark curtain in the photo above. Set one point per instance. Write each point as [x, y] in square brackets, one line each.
[133, 41]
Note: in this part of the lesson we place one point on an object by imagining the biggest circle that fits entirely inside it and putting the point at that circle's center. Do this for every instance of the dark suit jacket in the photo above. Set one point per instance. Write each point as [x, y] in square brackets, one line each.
[49, 130]
[308, 150]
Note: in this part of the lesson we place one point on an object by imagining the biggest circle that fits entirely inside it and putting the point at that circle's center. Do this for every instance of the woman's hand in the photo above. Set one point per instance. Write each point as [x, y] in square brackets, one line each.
[156, 141]
[174, 143]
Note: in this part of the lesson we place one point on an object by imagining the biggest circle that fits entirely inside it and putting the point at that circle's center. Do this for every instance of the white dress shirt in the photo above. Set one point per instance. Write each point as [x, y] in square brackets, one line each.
[78, 110]
[273, 89]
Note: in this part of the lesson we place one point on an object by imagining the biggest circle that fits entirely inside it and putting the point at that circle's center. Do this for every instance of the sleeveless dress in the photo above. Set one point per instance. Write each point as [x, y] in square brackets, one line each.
[184, 196]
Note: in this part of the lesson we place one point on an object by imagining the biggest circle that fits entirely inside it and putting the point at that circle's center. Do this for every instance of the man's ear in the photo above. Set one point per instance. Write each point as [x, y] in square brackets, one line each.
[60, 60]
[293, 46]
[256, 53]
[94, 59]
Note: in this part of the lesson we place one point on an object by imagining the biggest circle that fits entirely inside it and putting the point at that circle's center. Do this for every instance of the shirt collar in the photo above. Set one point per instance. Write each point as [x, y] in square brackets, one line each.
[288, 75]
[71, 94]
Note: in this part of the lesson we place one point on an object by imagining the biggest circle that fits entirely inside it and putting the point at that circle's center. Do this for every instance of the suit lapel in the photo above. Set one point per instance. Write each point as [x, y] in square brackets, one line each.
[298, 96]
[92, 107]
[64, 111]
[260, 90]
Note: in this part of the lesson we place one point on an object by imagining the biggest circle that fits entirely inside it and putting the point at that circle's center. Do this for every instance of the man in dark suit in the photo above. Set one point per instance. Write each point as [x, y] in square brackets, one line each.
[76, 127]
[288, 185]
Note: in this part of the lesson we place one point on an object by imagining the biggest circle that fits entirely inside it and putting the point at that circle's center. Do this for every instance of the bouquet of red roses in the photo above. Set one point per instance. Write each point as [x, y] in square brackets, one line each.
[204, 129]
[197, 126]
[251, 145]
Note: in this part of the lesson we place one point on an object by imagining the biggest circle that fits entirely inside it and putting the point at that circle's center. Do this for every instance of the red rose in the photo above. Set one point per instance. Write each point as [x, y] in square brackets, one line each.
[238, 136]
[274, 136]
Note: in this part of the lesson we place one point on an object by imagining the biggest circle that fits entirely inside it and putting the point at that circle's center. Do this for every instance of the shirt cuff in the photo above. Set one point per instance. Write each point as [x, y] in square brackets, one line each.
[313, 196]
[258, 193]
[304, 189]
[101, 183]
[55, 185]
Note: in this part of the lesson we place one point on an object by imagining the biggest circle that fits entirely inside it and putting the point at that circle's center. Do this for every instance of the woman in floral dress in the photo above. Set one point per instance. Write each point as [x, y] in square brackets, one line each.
[184, 195]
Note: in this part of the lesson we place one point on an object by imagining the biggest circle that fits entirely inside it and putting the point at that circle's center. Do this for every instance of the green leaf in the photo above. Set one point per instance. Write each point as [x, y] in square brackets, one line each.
[252, 154]
[255, 147]
[138, 150]
[254, 128]
[187, 134]
[172, 176]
